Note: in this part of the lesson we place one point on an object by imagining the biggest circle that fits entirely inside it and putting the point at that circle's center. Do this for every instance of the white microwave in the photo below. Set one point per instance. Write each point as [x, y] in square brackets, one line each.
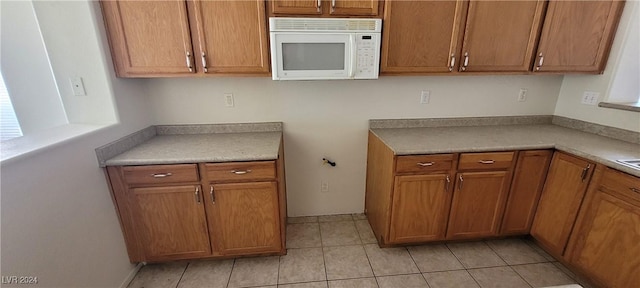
[324, 48]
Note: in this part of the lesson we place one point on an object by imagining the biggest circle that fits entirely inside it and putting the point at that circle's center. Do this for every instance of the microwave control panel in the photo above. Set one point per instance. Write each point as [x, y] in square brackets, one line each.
[367, 55]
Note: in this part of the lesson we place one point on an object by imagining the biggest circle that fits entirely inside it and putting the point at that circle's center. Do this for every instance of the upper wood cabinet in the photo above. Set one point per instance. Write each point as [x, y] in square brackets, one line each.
[422, 36]
[562, 195]
[577, 36]
[154, 38]
[501, 35]
[325, 8]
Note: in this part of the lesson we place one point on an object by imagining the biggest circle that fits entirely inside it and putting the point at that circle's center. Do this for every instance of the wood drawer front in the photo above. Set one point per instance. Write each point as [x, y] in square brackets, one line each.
[488, 161]
[621, 183]
[159, 174]
[240, 171]
[419, 163]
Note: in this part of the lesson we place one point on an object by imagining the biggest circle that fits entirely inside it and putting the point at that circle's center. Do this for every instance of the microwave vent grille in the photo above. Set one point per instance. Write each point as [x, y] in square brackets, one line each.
[314, 24]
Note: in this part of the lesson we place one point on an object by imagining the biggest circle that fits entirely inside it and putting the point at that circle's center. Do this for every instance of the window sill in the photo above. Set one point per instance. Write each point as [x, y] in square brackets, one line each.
[629, 106]
[18, 148]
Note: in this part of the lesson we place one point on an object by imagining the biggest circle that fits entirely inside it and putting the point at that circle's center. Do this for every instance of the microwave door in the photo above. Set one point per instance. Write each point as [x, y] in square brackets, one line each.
[313, 56]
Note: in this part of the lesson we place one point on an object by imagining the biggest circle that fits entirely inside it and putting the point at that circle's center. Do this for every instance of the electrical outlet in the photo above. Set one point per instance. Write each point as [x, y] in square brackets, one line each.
[590, 97]
[425, 96]
[522, 96]
[324, 186]
[77, 86]
[228, 99]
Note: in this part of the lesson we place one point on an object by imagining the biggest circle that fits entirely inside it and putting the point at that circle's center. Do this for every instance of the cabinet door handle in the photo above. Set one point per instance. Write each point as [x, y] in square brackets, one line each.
[319, 5]
[446, 185]
[189, 65]
[486, 161]
[425, 164]
[161, 175]
[333, 6]
[465, 63]
[198, 194]
[213, 195]
[452, 62]
[204, 63]
[540, 61]
[584, 172]
[460, 183]
[634, 189]
[240, 172]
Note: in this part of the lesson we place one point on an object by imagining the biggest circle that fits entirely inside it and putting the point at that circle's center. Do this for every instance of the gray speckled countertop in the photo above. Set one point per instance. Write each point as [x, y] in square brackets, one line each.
[432, 140]
[195, 148]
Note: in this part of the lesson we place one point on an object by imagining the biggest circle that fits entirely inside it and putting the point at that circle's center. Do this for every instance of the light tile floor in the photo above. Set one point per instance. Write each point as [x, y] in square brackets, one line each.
[338, 251]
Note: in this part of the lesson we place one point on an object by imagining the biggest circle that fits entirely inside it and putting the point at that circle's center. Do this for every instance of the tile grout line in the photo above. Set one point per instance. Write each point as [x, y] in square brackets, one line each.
[324, 262]
[233, 265]
[375, 278]
[182, 275]
[465, 267]
[505, 261]
[414, 262]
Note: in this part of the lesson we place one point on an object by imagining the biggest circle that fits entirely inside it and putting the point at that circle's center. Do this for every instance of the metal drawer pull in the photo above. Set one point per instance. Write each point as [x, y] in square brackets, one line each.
[634, 189]
[197, 194]
[486, 161]
[460, 185]
[426, 164]
[446, 186]
[240, 172]
[161, 175]
[213, 196]
[584, 172]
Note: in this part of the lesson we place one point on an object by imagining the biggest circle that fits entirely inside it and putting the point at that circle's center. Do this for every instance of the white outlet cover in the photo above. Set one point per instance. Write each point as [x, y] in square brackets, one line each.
[77, 86]
[522, 96]
[590, 97]
[425, 96]
[228, 100]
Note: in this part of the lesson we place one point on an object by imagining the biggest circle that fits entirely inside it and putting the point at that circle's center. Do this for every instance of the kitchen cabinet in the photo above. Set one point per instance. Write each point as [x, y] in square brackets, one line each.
[187, 38]
[604, 244]
[500, 36]
[422, 36]
[319, 8]
[186, 211]
[526, 187]
[420, 205]
[481, 188]
[562, 195]
[577, 36]
[243, 207]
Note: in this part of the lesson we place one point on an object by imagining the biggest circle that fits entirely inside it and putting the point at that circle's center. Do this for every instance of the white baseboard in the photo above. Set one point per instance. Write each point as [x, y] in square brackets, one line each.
[131, 275]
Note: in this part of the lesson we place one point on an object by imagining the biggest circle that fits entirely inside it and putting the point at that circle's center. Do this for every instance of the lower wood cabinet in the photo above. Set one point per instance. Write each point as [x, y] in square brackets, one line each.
[185, 211]
[526, 187]
[420, 208]
[605, 242]
[561, 198]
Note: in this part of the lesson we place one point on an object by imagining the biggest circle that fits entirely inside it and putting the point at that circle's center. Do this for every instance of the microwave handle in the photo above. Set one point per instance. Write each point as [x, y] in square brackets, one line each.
[352, 68]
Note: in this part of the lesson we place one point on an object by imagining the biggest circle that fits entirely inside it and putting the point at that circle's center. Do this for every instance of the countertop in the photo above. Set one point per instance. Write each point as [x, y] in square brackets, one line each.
[433, 140]
[174, 144]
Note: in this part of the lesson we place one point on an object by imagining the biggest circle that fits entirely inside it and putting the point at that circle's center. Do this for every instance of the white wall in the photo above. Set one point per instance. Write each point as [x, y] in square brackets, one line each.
[330, 119]
[573, 86]
[26, 69]
[58, 221]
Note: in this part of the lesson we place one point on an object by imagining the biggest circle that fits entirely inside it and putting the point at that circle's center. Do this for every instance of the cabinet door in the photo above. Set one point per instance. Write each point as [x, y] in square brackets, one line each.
[526, 186]
[478, 204]
[149, 38]
[501, 35]
[562, 195]
[232, 36]
[577, 35]
[354, 7]
[420, 208]
[296, 7]
[422, 36]
[607, 247]
[244, 218]
[170, 221]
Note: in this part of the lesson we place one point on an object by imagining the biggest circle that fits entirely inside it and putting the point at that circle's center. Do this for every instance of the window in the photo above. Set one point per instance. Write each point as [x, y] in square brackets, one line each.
[9, 126]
